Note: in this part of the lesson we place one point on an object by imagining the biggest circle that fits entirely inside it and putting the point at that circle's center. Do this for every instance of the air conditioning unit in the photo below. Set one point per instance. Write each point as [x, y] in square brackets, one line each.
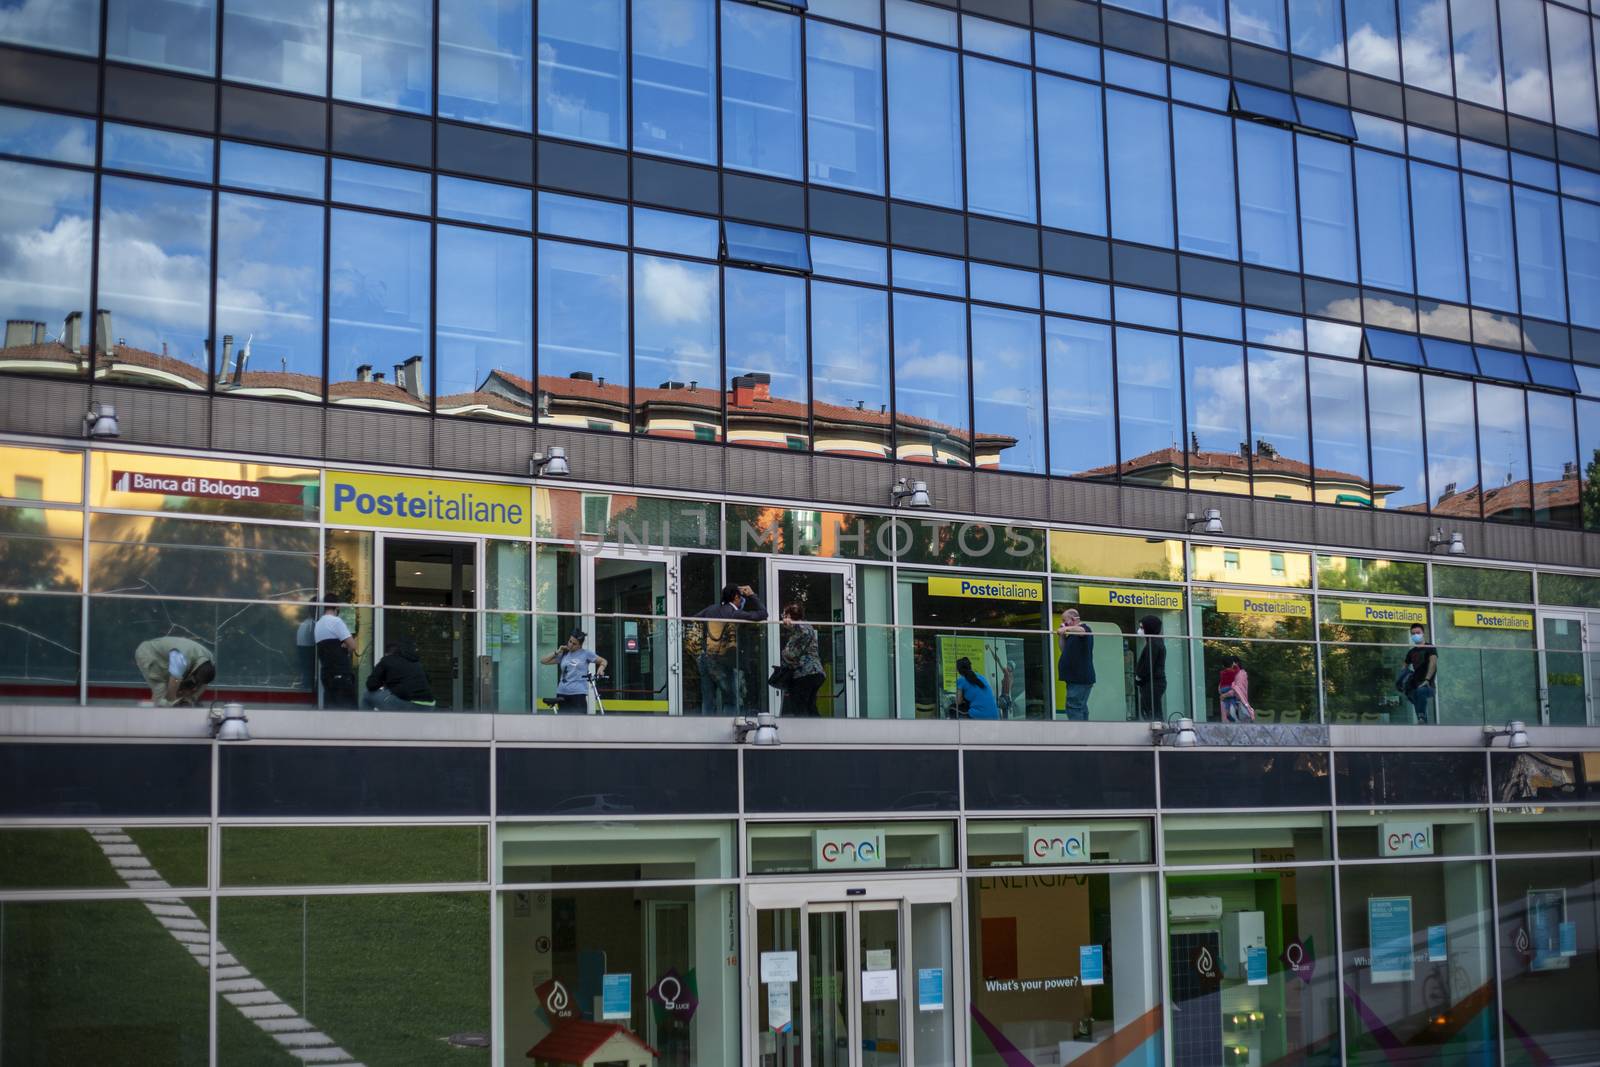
[1194, 909]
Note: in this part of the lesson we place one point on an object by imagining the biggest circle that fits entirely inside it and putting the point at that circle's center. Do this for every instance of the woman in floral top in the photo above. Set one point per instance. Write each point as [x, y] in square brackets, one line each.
[802, 655]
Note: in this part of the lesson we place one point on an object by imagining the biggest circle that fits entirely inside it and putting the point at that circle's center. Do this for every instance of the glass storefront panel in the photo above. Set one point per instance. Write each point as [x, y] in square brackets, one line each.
[1546, 829]
[661, 963]
[1488, 669]
[1569, 590]
[92, 858]
[1250, 566]
[353, 855]
[792, 848]
[626, 518]
[1058, 842]
[1270, 636]
[1482, 583]
[1549, 964]
[615, 851]
[1139, 673]
[147, 556]
[1418, 964]
[1259, 837]
[1065, 969]
[41, 549]
[803, 532]
[994, 623]
[1357, 575]
[185, 485]
[41, 474]
[1112, 556]
[1364, 644]
[40, 657]
[1401, 833]
[1251, 977]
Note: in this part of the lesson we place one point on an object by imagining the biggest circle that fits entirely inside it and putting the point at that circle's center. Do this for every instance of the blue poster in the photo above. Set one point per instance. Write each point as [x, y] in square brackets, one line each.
[930, 989]
[1569, 939]
[1438, 945]
[1092, 964]
[616, 996]
[1389, 938]
[1255, 965]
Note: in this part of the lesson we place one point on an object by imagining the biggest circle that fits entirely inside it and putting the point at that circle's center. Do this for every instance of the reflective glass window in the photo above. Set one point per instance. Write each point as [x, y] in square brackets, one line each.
[1217, 320]
[1193, 87]
[1202, 145]
[1327, 209]
[1141, 172]
[1083, 440]
[1490, 258]
[1074, 296]
[1069, 57]
[849, 260]
[1215, 397]
[1267, 214]
[1581, 224]
[269, 296]
[63, 25]
[999, 116]
[1375, 132]
[843, 10]
[760, 90]
[930, 274]
[674, 80]
[383, 53]
[1203, 14]
[1572, 69]
[272, 170]
[930, 380]
[1271, 328]
[1552, 437]
[484, 338]
[44, 275]
[1390, 347]
[1149, 409]
[1394, 408]
[996, 39]
[1425, 44]
[1485, 159]
[388, 188]
[378, 310]
[764, 320]
[1144, 308]
[921, 20]
[1339, 433]
[1279, 438]
[158, 152]
[677, 348]
[486, 62]
[1533, 171]
[1263, 103]
[765, 246]
[1003, 285]
[924, 133]
[1452, 451]
[1006, 387]
[1575, 181]
[583, 336]
[850, 369]
[582, 94]
[1316, 30]
[1071, 157]
[1333, 338]
[1448, 356]
[1385, 219]
[1476, 43]
[1144, 7]
[844, 107]
[670, 231]
[278, 43]
[44, 135]
[173, 34]
[1427, 144]
[155, 283]
[486, 202]
[576, 216]
[1439, 245]
[1329, 118]
[1259, 21]
[1539, 264]
[1503, 452]
[1496, 363]
[1372, 37]
[1552, 373]
[1547, 924]
[1527, 64]
[1132, 72]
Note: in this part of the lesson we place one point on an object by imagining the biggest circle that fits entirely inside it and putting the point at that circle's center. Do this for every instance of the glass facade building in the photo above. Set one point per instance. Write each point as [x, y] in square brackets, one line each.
[1050, 361]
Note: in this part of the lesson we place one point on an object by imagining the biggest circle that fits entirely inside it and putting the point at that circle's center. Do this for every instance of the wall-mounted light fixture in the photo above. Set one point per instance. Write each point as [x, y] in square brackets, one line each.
[101, 421]
[907, 493]
[228, 723]
[1514, 732]
[1179, 733]
[1451, 544]
[551, 464]
[761, 730]
[1210, 521]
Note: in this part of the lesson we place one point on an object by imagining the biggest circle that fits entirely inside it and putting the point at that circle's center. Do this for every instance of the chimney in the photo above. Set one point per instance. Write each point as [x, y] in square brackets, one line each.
[377, 375]
[244, 363]
[72, 332]
[364, 373]
[225, 372]
[671, 385]
[413, 376]
[21, 332]
[1569, 471]
[752, 388]
[103, 345]
[400, 375]
[581, 376]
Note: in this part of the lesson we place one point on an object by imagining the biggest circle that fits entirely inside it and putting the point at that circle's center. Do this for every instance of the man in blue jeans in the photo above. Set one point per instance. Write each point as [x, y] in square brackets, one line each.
[1075, 666]
[719, 654]
[1423, 659]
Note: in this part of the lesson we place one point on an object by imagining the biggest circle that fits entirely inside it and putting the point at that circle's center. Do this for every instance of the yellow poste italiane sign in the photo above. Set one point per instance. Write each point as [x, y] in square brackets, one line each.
[1479, 619]
[439, 504]
[1131, 597]
[1291, 607]
[987, 589]
[1383, 614]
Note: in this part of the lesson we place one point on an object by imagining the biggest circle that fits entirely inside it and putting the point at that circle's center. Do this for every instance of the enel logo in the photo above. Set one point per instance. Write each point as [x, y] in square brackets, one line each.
[1061, 847]
[1405, 839]
[1056, 843]
[850, 852]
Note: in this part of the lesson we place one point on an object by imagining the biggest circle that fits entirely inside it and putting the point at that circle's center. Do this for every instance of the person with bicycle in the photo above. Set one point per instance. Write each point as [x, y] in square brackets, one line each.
[572, 662]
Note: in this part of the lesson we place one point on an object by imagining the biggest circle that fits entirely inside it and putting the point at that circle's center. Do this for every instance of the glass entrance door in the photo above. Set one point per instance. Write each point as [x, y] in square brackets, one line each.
[629, 601]
[853, 983]
[429, 598]
[826, 594]
[1563, 676]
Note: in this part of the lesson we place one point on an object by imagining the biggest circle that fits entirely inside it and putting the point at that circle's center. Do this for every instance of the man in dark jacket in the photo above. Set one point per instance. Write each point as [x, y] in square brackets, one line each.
[719, 650]
[1150, 672]
[1076, 664]
[398, 682]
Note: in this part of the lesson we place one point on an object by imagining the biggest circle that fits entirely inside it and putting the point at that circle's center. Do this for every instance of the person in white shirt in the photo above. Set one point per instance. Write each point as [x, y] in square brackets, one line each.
[177, 669]
[335, 645]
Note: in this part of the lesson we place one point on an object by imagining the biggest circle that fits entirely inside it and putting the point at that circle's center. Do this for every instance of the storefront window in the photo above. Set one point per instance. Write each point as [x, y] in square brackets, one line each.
[353, 855]
[139, 555]
[1141, 671]
[1250, 566]
[1363, 647]
[41, 549]
[995, 623]
[1569, 590]
[41, 474]
[1488, 669]
[78, 858]
[181, 484]
[1250, 968]
[1547, 829]
[1065, 969]
[1482, 583]
[657, 966]
[1357, 575]
[1058, 843]
[615, 851]
[1402, 833]
[1270, 636]
[803, 532]
[1549, 916]
[1418, 963]
[1113, 556]
[1259, 837]
[990, 546]
[626, 518]
[787, 848]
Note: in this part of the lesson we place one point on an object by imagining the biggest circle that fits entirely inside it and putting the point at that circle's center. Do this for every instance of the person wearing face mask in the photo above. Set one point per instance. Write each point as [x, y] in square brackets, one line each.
[1422, 665]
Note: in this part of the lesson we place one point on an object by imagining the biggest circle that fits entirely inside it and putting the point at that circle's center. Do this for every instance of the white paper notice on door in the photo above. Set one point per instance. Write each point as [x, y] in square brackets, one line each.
[779, 1015]
[880, 985]
[780, 967]
[880, 959]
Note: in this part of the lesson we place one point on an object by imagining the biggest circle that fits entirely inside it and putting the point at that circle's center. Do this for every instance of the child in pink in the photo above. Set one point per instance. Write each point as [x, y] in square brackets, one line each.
[1233, 686]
